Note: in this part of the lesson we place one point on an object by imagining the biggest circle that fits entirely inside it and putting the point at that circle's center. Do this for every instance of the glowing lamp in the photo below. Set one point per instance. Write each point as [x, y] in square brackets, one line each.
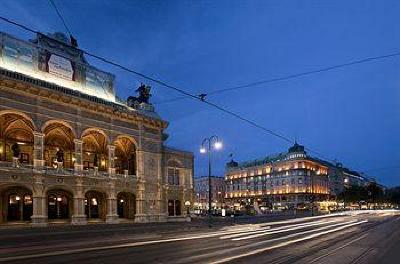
[218, 145]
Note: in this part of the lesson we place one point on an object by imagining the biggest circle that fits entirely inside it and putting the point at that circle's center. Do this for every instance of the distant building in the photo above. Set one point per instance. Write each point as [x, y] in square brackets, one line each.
[286, 180]
[201, 193]
[354, 178]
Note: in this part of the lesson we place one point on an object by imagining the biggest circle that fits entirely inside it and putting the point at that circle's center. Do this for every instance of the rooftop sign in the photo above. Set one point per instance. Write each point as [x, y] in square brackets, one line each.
[52, 59]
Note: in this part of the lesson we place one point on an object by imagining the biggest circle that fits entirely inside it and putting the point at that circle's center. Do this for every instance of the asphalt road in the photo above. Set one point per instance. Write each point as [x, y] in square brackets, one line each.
[359, 237]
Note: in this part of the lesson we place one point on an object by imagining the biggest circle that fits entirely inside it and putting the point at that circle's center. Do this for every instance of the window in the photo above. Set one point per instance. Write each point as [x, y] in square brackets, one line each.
[173, 176]
[174, 207]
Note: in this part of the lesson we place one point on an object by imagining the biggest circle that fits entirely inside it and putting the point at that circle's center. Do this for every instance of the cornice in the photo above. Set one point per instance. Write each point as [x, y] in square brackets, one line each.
[36, 87]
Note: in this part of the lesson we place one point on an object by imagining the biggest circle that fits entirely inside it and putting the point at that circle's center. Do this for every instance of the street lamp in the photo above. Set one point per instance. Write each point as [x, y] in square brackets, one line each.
[187, 204]
[207, 146]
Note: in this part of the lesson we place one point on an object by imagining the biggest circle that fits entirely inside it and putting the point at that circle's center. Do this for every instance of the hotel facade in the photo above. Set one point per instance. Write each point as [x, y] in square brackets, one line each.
[287, 180]
[71, 150]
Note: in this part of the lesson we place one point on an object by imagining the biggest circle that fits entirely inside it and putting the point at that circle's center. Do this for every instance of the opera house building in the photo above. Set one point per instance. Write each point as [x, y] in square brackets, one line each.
[72, 152]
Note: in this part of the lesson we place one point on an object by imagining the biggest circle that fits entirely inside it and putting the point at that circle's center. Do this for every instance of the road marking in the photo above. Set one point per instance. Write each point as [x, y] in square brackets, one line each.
[336, 249]
[286, 243]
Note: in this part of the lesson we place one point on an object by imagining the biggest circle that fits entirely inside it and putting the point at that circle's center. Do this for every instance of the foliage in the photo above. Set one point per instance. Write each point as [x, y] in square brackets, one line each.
[370, 193]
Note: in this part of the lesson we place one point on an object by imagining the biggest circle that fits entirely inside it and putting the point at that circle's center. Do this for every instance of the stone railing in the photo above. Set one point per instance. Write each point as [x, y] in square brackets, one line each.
[24, 167]
[125, 177]
[95, 173]
[12, 165]
[58, 171]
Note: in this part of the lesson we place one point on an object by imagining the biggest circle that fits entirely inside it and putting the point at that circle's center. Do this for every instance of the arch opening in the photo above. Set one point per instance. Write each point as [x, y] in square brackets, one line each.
[59, 204]
[125, 156]
[59, 145]
[126, 205]
[95, 205]
[17, 204]
[95, 150]
[16, 138]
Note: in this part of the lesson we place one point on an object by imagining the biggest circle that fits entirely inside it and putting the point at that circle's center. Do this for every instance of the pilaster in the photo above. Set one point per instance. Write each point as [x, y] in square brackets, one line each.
[79, 216]
[39, 216]
[112, 216]
[38, 151]
[78, 155]
[111, 158]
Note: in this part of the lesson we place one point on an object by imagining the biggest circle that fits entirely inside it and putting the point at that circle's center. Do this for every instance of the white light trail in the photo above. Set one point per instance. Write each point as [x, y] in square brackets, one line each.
[279, 229]
[282, 230]
[286, 243]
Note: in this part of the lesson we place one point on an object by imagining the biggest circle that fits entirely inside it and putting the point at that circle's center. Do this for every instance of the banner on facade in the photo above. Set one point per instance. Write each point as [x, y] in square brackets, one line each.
[60, 67]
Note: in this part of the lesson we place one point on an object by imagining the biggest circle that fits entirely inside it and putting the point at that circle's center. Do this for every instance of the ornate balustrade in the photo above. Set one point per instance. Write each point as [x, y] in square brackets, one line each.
[28, 168]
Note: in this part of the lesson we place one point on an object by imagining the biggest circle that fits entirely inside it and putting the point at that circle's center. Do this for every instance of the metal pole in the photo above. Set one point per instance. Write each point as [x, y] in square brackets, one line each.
[209, 182]
[312, 194]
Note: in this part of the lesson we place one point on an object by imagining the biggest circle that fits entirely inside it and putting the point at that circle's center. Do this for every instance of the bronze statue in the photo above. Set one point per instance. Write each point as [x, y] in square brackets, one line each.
[60, 155]
[95, 161]
[16, 150]
[144, 96]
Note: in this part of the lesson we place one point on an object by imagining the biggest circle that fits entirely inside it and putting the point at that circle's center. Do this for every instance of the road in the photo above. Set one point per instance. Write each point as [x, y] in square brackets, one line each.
[358, 237]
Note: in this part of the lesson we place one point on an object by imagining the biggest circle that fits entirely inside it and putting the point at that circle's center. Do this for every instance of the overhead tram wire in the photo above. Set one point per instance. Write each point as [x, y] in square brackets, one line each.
[200, 97]
[60, 16]
[288, 77]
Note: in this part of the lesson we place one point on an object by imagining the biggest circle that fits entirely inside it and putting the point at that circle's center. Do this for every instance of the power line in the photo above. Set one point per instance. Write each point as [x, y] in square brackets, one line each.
[383, 168]
[200, 97]
[60, 16]
[291, 76]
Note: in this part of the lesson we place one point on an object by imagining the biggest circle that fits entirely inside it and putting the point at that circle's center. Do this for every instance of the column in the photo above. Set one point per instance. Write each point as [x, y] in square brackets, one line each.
[112, 216]
[111, 157]
[38, 150]
[159, 202]
[78, 155]
[141, 215]
[79, 216]
[39, 216]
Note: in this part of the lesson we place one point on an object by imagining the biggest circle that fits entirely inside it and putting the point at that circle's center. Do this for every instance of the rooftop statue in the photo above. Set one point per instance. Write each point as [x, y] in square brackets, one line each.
[144, 96]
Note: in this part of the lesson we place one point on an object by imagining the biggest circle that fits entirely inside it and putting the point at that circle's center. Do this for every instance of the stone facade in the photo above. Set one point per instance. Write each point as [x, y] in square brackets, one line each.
[80, 157]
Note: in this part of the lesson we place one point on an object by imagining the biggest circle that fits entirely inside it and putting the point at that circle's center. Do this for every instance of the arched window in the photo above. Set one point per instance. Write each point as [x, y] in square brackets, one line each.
[16, 132]
[125, 156]
[95, 150]
[58, 143]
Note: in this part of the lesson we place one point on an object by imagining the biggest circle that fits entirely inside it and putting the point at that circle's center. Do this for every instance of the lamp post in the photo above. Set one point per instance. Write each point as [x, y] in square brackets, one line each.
[346, 181]
[187, 204]
[207, 146]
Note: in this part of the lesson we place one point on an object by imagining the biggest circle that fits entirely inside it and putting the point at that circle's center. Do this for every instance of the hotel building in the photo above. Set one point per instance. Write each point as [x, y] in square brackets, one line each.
[71, 150]
[292, 179]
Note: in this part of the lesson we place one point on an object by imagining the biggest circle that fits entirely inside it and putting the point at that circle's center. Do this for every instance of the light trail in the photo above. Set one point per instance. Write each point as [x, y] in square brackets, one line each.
[261, 243]
[279, 228]
[286, 243]
[281, 231]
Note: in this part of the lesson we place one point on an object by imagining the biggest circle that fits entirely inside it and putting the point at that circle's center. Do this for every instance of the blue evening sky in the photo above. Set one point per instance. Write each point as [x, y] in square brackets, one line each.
[350, 114]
